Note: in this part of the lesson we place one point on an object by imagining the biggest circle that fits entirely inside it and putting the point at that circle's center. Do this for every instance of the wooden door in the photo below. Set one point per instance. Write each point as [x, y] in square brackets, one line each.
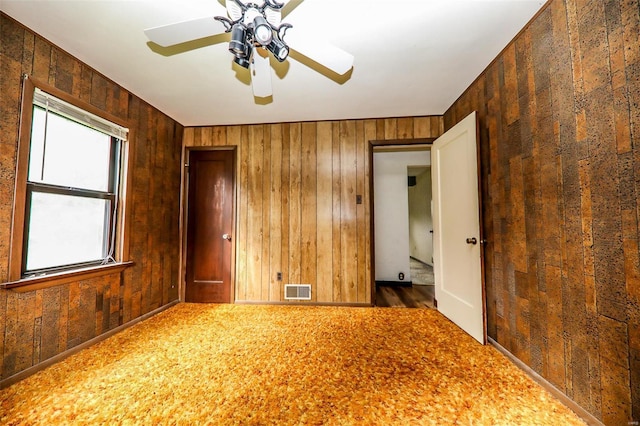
[210, 226]
[456, 219]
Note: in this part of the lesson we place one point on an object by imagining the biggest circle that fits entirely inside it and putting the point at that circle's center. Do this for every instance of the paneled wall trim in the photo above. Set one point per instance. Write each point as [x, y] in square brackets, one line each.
[41, 324]
[297, 210]
[559, 114]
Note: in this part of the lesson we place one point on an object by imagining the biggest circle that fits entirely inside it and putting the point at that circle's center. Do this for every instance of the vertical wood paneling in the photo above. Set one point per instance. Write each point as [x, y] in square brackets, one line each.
[37, 332]
[266, 214]
[296, 205]
[37, 325]
[405, 128]
[11, 347]
[369, 134]
[421, 127]
[24, 331]
[348, 212]
[308, 207]
[238, 133]
[558, 137]
[337, 214]
[285, 223]
[295, 200]
[51, 318]
[254, 213]
[63, 325]
[275, 201]
[362, 152]
[390, 128]
[324, 233]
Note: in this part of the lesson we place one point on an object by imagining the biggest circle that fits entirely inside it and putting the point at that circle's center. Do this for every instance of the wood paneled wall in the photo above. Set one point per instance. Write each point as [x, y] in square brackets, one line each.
[37, 325]
[560, 144]
[297, 211]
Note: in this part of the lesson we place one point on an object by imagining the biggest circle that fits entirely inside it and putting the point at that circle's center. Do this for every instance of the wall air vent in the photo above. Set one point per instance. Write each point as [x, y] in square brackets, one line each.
[297, 291]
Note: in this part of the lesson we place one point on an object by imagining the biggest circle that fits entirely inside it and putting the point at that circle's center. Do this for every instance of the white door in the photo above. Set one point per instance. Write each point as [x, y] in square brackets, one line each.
[456, 251]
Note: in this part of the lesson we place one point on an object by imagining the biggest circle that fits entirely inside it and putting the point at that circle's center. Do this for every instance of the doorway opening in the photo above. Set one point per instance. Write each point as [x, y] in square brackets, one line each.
[402, 258]
[457, 254]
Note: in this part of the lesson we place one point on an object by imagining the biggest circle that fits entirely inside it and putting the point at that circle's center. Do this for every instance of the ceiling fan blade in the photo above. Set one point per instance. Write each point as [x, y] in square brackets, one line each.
[181, 32]
[260, 74]
[325, 54]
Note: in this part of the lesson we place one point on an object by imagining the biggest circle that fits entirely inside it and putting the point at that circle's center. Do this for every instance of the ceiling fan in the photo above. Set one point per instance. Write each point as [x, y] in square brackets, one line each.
[256, 29]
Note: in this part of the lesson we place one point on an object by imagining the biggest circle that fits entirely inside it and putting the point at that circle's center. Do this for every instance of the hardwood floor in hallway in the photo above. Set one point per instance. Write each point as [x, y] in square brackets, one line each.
[416, 296]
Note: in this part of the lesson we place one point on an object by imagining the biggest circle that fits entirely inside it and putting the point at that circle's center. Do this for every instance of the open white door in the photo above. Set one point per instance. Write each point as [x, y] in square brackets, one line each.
[456, 219]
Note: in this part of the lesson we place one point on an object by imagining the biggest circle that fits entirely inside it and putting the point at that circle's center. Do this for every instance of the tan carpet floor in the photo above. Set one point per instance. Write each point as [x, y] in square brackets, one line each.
[238, 364]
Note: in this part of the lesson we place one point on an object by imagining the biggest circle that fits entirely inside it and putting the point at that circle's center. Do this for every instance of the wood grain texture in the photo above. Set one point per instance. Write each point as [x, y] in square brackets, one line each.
[37, 325]
[560, 145]
[297, 211]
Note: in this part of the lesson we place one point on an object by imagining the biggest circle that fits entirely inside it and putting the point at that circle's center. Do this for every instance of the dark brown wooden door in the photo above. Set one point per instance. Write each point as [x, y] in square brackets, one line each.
[210, 226]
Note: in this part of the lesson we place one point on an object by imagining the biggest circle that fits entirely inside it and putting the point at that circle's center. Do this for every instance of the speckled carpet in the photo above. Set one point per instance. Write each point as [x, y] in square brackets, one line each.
[238, 364]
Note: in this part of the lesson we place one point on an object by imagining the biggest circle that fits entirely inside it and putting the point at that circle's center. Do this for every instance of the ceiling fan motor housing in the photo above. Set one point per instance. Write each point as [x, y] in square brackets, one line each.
[250, 14]
[253, 25]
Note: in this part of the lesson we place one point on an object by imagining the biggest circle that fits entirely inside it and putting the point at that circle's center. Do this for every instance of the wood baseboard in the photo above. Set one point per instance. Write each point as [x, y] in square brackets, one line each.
[394, 283]
[571, 404]
[294, 303]
[57, 358]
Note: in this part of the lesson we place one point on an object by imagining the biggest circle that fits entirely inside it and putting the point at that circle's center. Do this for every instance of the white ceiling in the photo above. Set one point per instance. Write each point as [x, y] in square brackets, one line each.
[412, 57]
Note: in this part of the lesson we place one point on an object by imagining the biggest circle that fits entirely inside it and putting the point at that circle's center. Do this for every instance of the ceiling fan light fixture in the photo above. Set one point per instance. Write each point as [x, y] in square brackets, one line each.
[279, 49]
[242, 61]
[237, 45]
[244, 58]
[252, 25]
[262, 31]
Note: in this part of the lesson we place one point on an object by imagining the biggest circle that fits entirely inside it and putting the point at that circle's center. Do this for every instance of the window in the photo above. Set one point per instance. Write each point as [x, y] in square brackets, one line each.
[72, 191]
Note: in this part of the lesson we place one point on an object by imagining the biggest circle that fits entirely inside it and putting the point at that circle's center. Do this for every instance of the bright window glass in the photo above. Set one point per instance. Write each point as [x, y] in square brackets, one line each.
[66, 230]
[73, 155]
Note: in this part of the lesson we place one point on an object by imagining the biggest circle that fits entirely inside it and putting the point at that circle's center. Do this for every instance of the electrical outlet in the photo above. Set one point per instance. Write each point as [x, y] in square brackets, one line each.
[279, 276]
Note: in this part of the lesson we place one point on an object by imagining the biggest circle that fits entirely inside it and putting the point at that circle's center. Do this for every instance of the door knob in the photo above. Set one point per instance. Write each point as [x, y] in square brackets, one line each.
[226, 237]
[472, 240]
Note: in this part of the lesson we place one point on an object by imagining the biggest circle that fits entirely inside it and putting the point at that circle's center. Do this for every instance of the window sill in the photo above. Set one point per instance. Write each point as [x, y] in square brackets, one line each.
[38, 283]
